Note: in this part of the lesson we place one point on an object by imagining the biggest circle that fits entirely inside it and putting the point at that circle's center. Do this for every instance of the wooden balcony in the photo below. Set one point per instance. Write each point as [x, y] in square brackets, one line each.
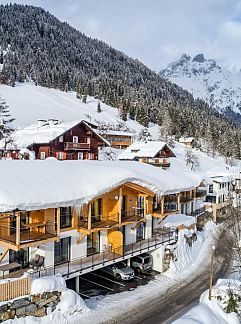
[184, 199]
[29, 235]
[201, 193]
[132, 215]
[76, 146]
[98, 222]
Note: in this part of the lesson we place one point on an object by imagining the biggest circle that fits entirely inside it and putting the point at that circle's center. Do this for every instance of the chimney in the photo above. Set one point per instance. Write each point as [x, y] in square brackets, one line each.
[41, 122]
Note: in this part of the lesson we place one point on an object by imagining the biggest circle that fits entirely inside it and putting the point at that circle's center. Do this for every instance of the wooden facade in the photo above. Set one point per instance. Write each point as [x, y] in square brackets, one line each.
[78, 143]
[121, 141]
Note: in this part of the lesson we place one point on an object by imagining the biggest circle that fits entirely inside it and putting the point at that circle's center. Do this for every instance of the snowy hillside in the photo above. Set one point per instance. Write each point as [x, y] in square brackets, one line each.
[206, 80]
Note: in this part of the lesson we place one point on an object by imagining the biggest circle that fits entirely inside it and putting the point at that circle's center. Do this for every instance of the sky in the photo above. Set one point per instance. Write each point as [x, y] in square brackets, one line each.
[157, 32]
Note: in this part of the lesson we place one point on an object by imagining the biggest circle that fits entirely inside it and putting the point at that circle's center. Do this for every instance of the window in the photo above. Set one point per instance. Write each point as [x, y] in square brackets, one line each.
[211, 188]
[42, 155]
[61, 155]
[93, 243]
[89, 156]
[75, 139]
[80, 156]
[140, 232]
[61, 139]
[62, 250]
[65, 217]
[96, 209]
[88, 140]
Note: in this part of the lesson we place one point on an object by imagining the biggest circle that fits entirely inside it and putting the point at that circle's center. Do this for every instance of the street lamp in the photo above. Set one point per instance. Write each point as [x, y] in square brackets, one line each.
[211, 273]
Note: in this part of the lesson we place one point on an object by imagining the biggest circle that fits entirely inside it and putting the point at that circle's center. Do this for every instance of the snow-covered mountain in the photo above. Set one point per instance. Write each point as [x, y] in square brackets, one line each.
[205, 79]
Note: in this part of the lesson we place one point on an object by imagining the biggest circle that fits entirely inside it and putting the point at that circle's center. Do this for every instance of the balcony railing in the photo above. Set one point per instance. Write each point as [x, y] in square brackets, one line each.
[76, 146]
[130, 215]
[201, 193]
[99, 260]
[99, 221]
[29, 233]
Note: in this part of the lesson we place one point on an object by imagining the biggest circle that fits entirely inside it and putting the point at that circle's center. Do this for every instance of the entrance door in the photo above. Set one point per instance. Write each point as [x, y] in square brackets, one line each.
[21, 257]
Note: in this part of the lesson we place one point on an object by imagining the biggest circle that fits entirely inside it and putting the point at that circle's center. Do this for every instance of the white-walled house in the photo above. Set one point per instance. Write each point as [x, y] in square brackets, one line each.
[83, 215]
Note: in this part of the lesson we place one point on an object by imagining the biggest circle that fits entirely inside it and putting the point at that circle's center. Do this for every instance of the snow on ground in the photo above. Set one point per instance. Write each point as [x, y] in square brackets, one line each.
[48, 284]
[213, 311]
[73, 310]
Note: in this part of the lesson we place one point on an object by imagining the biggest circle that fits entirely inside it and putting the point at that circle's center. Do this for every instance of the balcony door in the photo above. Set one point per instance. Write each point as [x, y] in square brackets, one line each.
[93, 243]
[140, 205]
[62, 250]
[140, 232]
[96, 210]
[123, 206]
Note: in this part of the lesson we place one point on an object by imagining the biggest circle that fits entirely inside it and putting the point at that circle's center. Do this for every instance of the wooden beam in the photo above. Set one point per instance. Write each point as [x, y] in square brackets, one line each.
[3, 254]
[81, 238]
[119, 204]
[89, 217]
[17, 229]
[139, 189]
[162, 204]
[143, 220]
[179, 201]
[58, 222]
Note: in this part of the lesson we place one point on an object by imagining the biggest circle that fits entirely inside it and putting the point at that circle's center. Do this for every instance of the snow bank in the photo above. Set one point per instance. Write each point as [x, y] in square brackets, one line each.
[71, 302]
[212, 311]
[176, 220]
[187, 255]
[207, 314]
[47, 284]
[42, 184]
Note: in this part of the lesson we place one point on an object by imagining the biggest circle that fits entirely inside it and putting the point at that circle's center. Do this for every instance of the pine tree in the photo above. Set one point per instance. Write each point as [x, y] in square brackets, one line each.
[84, 98]
[5, 123]
[99, 107]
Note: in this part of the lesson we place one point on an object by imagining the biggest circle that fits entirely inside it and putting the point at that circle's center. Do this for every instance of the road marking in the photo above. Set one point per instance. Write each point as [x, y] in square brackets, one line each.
[97, 284]
[118, 283]
[84, 295]
[138, 277]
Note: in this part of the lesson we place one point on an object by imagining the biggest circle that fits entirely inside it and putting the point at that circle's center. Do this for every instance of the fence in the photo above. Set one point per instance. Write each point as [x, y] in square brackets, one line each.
[15, 288]
[95, 261]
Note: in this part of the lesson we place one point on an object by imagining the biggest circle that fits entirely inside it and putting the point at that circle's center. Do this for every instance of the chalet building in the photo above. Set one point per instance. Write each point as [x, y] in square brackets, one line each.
[220, 194]
[156, 153]
[98, 213]
[62, 140]
[118, 139]
[188, 141]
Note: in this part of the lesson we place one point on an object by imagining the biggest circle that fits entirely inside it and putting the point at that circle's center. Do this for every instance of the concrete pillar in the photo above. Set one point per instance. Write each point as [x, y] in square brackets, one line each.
[157, 258]
[77, 284]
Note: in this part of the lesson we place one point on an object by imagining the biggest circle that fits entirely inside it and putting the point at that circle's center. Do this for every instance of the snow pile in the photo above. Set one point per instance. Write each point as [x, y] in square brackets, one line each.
[176, 220]
[71, 302]
[47, 284]
[185, 254]
[42, 184]
[214, 311]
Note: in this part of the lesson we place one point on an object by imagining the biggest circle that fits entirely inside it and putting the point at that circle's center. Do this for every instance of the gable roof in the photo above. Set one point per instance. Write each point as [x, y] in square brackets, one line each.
[143, 149]
[35, 134]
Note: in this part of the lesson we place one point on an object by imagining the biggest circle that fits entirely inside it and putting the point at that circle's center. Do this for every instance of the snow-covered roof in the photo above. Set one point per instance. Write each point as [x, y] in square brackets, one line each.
[142, 149]
[222, 179]
[43, 132]
[32, 185]
[186, 139]
[117, 133]
[176, 220]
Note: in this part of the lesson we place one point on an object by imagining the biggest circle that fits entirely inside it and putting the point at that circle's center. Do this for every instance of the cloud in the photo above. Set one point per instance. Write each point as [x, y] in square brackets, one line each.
[158, 31]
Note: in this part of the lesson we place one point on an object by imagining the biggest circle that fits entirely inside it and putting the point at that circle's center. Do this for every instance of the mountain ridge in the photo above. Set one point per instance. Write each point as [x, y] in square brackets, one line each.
[220, 88]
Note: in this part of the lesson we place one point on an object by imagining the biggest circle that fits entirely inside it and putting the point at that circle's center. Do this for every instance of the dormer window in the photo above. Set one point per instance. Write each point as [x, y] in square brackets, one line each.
[135, 151]
[61, 139]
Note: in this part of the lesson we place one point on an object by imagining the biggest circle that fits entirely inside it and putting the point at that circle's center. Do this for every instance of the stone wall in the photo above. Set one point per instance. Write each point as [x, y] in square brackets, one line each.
[34, 305]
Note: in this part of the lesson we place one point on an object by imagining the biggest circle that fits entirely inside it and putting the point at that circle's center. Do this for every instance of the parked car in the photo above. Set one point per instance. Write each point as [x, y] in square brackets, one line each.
[142, 263]
[120, 271]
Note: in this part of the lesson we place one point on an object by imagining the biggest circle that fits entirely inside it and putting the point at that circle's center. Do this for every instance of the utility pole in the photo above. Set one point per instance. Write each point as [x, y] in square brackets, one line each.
[211, 273]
